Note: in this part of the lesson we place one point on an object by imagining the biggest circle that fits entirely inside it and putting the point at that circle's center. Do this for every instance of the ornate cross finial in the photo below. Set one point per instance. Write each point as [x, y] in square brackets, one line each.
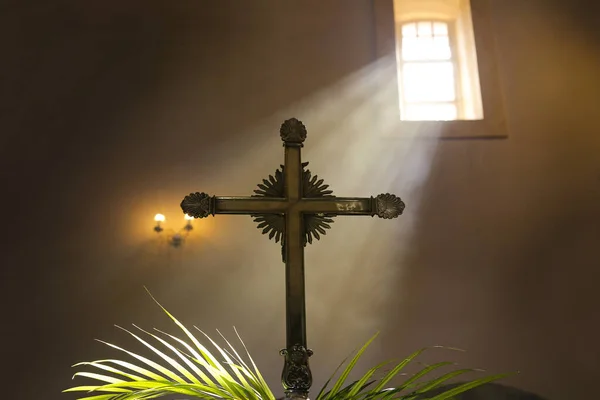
[293, 132]
[198, 205]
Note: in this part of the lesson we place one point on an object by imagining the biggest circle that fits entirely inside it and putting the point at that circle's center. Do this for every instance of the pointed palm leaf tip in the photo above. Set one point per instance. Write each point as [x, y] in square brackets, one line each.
[187, 368]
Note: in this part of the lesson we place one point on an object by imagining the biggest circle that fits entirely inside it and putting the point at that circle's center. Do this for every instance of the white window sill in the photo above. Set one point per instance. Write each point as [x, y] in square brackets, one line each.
[448, 130]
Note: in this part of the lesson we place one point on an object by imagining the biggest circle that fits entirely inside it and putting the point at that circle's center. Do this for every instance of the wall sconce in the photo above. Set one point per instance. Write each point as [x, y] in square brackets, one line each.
[176, 239]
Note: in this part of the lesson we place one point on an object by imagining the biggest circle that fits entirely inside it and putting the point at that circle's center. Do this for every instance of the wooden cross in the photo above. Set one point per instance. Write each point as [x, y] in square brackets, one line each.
[293, 207]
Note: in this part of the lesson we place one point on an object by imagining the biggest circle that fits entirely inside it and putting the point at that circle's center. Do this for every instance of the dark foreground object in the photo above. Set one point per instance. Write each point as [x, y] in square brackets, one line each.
[490, 391]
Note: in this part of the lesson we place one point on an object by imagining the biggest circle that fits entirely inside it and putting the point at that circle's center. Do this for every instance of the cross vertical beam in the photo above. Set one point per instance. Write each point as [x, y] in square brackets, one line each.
[294, 249]
[293, 207]
[296, 376]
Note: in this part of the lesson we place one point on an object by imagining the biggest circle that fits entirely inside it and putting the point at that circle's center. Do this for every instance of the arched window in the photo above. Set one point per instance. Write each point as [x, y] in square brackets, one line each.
[428, 72]
[437, 61]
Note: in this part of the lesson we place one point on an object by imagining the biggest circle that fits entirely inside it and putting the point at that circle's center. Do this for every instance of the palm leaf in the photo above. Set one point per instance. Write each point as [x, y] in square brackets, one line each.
[188, 368]
[340, 381]
[191, 371]
[322, 394]
[99, 397]
[360, 390]
[261, 381]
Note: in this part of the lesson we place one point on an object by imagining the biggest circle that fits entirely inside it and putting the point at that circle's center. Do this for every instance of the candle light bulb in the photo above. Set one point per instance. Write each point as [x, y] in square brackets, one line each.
[158, 218]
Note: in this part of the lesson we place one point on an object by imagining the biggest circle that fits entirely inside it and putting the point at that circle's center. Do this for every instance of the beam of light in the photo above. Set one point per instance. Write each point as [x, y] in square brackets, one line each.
[355, 144]
[232, 275]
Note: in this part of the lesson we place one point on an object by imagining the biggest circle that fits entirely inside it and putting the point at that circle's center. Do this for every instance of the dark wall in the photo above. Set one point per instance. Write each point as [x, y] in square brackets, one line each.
[111, 111]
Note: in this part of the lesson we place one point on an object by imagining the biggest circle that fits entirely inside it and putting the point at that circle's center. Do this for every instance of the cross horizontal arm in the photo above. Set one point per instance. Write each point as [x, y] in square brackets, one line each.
[385, 206]
[249, 205]
[201, 205]
[337, 205]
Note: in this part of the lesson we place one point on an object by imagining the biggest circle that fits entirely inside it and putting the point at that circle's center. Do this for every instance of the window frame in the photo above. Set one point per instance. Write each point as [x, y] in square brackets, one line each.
[494, 122]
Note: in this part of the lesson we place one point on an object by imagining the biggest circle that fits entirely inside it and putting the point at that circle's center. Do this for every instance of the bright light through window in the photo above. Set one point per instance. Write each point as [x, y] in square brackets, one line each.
[428, 72]
[438, 73]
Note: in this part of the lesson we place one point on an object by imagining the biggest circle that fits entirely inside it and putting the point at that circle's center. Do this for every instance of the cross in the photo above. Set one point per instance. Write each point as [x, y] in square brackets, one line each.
[293, 207]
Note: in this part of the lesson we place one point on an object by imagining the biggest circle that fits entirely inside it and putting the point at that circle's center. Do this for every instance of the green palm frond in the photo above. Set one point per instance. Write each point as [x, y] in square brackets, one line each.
[187, 368]
[190, 369]
[415, 387]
